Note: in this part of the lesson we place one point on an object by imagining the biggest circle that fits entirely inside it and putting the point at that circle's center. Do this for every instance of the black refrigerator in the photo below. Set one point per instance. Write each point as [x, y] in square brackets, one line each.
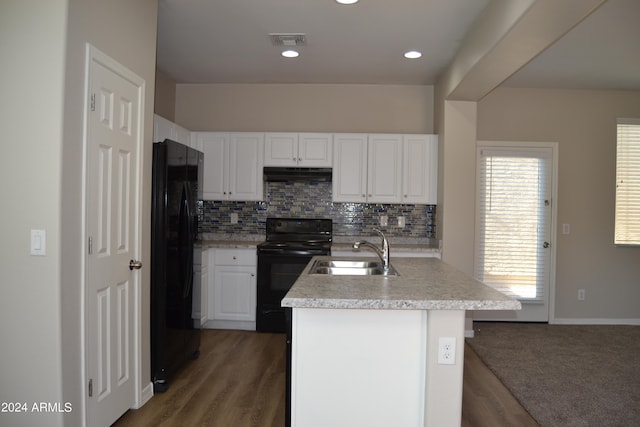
[177, 187]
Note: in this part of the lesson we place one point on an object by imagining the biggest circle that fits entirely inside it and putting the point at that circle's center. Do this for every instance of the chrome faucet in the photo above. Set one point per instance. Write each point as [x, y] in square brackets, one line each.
[383, 252]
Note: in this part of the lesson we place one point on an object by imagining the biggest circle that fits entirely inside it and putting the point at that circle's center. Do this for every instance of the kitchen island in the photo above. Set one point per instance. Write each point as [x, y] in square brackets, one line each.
[365, 348]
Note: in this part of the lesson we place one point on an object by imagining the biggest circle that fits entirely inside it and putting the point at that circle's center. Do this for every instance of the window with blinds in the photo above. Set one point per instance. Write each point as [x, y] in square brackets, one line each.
[513, 211]
[627, 212]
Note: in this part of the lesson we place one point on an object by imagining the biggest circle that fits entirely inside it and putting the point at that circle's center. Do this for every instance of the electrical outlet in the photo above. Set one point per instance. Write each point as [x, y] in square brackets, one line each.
[582, 294]
[447, 351]
[401, 222]
[234, 218]
[384, 220]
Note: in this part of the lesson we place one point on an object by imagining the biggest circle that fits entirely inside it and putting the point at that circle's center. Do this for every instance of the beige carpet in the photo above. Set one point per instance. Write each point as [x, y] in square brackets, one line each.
[566, 375]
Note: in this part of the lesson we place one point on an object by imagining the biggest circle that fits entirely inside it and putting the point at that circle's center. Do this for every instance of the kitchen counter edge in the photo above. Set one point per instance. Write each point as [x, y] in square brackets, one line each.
[422, 284]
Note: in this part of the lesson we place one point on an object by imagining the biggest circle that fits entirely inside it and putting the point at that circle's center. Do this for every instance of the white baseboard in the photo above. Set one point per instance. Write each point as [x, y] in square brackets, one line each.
[578, 321]
[145, 396]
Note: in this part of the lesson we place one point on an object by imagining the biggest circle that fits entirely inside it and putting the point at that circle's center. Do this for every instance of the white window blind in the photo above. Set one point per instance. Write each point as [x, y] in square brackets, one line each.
[513, 221]
[627, 212]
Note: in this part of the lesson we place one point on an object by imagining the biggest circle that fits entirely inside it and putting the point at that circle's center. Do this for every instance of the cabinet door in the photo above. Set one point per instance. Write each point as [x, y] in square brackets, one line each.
[182, 135]
[349, 168]
[315, 150]
[420, 160]
[384, 177]
[215, 146]
[162, 129]
[281, 149]
[246, 157]
[234, 293]
[204, 291]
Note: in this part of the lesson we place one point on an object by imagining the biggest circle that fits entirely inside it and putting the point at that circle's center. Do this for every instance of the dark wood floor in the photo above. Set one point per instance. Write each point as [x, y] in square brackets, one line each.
[239, 380]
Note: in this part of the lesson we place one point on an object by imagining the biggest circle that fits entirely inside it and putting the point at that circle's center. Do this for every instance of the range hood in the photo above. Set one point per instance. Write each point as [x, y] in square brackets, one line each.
[296, 174]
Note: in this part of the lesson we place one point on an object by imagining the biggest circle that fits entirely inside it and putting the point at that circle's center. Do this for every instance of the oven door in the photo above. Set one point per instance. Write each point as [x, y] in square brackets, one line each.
[276, 274]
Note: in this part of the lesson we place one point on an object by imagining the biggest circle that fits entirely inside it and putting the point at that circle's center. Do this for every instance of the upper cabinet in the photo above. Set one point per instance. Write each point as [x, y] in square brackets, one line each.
[298, 149]
[165, 129]
[233, 164]
[385, 168]
[384, 163]
[420, 169]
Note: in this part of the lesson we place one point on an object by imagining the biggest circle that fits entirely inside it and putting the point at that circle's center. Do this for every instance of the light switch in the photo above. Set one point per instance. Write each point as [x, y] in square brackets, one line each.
[401, 222]
[38, 242]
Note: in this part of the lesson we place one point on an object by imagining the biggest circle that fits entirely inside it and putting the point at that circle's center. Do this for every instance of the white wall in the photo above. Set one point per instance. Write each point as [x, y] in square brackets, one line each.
[305, 107]
[31, 117]
[41, 168]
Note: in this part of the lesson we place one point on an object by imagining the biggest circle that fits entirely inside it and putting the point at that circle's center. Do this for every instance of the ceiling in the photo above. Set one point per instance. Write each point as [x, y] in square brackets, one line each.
[227, 41]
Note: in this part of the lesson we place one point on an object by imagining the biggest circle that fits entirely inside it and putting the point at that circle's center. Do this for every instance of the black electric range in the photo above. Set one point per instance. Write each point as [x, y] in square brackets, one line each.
[289, 246]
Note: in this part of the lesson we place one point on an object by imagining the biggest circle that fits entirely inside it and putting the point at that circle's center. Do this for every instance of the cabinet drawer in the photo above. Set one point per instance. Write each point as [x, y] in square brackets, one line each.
[235, 257]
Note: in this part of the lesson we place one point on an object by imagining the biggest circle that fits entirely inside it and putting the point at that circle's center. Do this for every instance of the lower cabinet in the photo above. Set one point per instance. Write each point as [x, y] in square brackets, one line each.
[200, 287]
[232, 289]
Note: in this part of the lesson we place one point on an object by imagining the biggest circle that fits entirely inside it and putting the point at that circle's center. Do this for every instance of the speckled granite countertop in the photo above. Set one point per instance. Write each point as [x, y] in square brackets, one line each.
[228, 244]
[395, 248]
[343, 244]
[423, 284]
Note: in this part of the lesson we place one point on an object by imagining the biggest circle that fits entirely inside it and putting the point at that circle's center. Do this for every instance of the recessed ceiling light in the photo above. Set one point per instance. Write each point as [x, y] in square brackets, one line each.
[290, 53]
[412, 54]
[347, 1]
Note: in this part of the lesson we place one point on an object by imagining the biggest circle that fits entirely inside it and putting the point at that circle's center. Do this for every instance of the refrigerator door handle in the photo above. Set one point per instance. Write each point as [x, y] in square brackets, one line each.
[186, 221]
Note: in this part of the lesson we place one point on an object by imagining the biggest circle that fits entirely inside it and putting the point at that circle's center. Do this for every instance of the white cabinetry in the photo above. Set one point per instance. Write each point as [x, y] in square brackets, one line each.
[165, 129]
[232, 165]
[200, 287]
[385, 168]
[232, 289]
[349, 180]
[298, 149]
[366, 168]
[183, 136]
[420, 169]
[162, 128]
[384, 163]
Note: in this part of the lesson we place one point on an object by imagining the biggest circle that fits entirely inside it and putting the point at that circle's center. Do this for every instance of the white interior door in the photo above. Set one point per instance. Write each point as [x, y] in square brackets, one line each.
[112, 184]
[514, 220]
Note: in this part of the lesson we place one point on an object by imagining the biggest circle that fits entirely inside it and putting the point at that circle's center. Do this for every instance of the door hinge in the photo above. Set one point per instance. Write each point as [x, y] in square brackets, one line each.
[93, 102]
[90, 387]
[90, 245]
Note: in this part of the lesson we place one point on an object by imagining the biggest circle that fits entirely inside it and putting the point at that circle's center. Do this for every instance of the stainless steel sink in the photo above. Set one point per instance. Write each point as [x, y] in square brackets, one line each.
[351, 268]
[349, 264]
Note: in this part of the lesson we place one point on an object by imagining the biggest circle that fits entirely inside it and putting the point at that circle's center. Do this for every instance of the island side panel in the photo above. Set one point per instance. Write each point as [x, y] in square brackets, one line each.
[358, 367]
[443, 404]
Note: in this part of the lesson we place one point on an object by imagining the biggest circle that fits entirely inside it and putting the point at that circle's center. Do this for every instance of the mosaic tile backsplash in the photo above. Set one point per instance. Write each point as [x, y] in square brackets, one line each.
[294, 199]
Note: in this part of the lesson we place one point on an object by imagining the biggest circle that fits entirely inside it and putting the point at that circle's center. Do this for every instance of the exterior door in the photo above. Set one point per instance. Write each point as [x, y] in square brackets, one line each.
[514, 208]
[114, 119]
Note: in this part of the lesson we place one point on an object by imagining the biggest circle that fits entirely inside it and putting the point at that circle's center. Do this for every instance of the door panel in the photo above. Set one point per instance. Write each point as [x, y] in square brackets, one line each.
[113, 147]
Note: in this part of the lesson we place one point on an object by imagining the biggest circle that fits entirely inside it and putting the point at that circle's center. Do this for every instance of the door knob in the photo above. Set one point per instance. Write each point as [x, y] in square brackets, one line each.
[135, 264]
[545, 245]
